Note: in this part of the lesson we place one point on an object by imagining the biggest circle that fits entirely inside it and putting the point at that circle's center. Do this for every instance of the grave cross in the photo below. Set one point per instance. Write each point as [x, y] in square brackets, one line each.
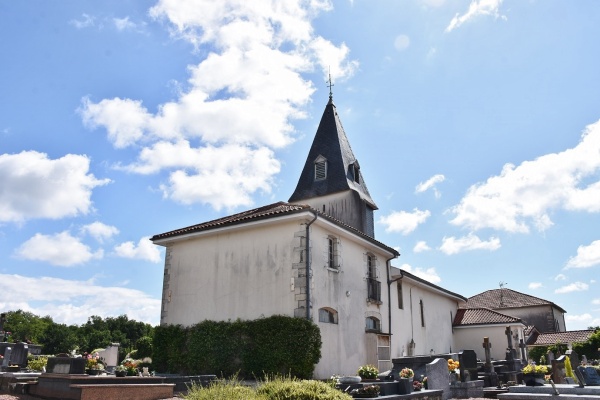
[508, 333]
[487, 346]
[522, 346]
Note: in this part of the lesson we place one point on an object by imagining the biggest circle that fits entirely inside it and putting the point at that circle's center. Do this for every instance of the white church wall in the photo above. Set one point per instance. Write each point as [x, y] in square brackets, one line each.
[235, 273]
[439, 310]
[345, 344]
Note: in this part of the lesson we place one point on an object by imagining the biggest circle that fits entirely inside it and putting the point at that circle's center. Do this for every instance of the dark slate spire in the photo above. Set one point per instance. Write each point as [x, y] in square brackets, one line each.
[342, 171]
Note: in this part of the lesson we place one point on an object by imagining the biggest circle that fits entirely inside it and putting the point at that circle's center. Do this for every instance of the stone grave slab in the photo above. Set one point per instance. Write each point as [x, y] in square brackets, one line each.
[468, 365]
[7, 355]
[66, 365]
[19, 355]
[590, 375]
[437, 377]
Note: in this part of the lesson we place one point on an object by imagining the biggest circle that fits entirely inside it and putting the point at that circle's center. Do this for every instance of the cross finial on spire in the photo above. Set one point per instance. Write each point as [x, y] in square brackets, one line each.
[330, 84]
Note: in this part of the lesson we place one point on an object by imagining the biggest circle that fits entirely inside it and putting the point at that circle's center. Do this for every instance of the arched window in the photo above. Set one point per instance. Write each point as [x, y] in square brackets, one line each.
[328, 315]
[372, 324]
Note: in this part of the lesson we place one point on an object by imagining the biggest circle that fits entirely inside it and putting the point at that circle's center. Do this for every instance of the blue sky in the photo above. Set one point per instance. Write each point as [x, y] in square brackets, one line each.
[476, 125]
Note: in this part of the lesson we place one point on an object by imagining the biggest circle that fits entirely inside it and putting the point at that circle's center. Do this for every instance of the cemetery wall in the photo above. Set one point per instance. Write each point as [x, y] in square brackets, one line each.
[471, 337]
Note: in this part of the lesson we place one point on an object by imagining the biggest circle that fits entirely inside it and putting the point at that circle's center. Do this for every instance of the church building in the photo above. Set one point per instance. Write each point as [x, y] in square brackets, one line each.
[313, 257]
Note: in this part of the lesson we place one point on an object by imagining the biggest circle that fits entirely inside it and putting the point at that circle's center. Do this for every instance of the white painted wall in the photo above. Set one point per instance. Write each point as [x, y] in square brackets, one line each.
[471, 337]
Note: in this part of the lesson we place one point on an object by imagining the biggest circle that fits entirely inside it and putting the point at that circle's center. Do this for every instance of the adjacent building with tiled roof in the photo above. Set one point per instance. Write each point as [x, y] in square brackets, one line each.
[543, 314]
[549, 339]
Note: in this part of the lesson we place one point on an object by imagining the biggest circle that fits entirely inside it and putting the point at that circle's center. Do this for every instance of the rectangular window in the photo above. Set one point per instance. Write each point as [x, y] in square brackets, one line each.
[422, 313]
[333, 253]
[400, 299]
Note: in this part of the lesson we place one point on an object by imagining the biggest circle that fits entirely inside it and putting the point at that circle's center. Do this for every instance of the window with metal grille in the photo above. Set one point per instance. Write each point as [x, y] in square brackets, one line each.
[333, 256]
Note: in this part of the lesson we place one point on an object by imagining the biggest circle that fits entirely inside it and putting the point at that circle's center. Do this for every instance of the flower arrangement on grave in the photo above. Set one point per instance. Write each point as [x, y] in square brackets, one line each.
[453, 366]
[37, 363]
[368, 372]
[94, 362]
[417, 386]
[131, 366]
[366, 390]
[425, 382]
[535, 369]
[407, 373]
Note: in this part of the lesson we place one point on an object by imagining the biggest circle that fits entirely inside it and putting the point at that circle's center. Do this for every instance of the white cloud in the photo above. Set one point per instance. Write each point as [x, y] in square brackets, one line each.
[61, 249]
[253, 70]
[430, 184]
[526, 195]
[560, 277]
[85, 22]
[452, 245]
[404, 222]
[100, 231]
[573, 287]
[587, 256]
[34, 186]
[72, 302]
[145, 250]
[421, 246]
[535, 285]
[123, 23]
[578, 318]
[476, 8]
[596, 302]
[433, 3]
[401, 42]
[429, 274]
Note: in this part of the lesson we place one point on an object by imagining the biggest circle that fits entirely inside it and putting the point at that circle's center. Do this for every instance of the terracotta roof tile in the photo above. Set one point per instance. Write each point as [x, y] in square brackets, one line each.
[547, 339]
[482, 316]
[506, 298]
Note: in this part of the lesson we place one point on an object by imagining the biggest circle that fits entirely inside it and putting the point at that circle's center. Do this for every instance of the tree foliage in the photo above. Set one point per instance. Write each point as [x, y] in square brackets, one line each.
[96, 333]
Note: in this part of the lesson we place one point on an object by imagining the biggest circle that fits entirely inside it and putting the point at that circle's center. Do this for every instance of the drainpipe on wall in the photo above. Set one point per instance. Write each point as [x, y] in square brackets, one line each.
[389, 283]
[308, 265]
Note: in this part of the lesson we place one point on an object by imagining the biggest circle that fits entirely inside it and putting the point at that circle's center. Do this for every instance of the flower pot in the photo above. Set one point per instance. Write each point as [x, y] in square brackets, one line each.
[121, 374]
[94, 371]
[534, 379]
[405, 385]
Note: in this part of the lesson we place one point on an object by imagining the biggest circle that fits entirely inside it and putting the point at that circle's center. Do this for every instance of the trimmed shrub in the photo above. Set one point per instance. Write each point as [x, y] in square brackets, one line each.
[280, 388]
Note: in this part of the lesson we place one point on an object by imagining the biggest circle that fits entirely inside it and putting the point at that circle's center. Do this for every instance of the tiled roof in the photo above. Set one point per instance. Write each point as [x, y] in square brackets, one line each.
[506, 298]
[547, 339]
[426, 282]
[245, 216]
[482, 316]
[266, 212]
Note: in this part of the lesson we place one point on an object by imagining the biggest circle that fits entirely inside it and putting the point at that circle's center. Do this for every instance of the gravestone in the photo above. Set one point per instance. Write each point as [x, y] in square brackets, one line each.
[590, 375]
[437, 376]
[489, 374]
[522, 347]
[110, 356]
[558, 370]
[574, 357]
[468, 365]
[549, 357]
[7, 355]
[66, 365]
[19, 355]
[584, 359]
[508, 334]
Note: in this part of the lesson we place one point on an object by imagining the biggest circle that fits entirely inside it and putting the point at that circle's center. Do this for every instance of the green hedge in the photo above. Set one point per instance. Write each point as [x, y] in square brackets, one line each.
[273, 345]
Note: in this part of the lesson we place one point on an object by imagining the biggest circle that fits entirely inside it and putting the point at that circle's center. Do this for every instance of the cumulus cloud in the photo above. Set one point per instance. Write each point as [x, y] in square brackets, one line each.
[72, 301]
[145, 250]
[560, 277]
[596, 302]
[123, 24]
[573, 287]
[100, 231]
[578, 318]
[524, 196]
[34, 186]
[535, 285]
[430, 184]
[254, 69]
[429, 274]
[61, 249]
[587, 256]
[421, 246]
[453, 245]
[404, 222]
[476, 8]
